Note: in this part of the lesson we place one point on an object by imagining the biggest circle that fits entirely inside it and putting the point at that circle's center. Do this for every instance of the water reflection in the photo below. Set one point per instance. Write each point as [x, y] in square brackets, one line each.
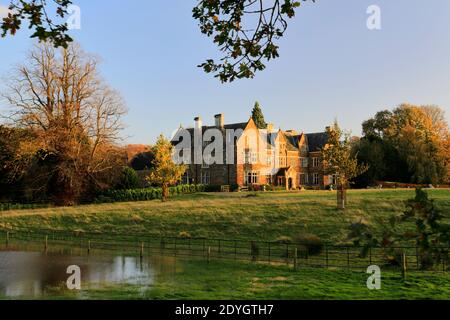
[33, 274]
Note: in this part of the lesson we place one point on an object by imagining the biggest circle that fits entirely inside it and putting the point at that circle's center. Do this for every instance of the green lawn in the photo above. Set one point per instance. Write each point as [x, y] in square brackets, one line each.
[265, 216]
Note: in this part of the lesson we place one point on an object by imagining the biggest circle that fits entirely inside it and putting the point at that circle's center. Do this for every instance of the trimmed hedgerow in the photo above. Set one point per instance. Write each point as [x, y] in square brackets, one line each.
[147, 193]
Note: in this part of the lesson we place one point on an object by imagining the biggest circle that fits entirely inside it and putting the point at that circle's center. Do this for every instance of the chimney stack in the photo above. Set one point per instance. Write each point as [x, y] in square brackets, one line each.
[220, 120]
[198, 123]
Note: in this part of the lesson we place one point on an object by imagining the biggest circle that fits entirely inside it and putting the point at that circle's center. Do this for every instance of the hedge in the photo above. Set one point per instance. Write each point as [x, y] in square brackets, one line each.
[147, 193]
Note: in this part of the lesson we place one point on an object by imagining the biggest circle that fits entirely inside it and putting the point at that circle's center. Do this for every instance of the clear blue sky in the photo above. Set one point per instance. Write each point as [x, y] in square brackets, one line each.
[331, 65]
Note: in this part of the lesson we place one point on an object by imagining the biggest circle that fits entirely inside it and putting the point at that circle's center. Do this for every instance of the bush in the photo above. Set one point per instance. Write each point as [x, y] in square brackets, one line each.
[213, 188]
[128, 179]
[284, 240]
[146, 193]
[184, 235]
[234, 187]
[310, 242]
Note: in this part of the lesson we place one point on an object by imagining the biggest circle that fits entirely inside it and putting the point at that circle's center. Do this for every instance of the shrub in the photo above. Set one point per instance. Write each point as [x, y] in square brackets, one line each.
[213, 188]
[234, 187]
[128, 179]
[284, 240]
[184, 235]
[310, 242]
[146, 193]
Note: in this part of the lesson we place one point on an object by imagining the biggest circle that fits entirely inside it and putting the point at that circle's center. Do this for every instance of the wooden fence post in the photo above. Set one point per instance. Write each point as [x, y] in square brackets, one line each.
[7, 238]
[208, 254]
[348, 258]
[175, 251]
[326, 256]
[89, 246]
[46, 243]
[417, 258]
[295, 258]
[235, 250]
[404, 265]
[142, 250]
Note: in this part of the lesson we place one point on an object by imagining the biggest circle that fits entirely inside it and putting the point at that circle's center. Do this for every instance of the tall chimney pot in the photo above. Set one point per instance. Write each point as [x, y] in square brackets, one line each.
[219, 120]
[198, 123]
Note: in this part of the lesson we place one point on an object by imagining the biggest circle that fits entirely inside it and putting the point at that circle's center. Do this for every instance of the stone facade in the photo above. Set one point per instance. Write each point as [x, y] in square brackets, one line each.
[288, 159]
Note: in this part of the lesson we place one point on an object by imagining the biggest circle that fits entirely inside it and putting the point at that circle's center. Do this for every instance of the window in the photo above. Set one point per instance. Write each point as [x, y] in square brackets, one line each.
[332, 179]
[250, 157]
[315, 179]
[303, 178]
[316, 162]
[269, 160]
[282, 161]
[205, 177]
[252, 177]
[304, 162]
[269, 179]
[185, 178]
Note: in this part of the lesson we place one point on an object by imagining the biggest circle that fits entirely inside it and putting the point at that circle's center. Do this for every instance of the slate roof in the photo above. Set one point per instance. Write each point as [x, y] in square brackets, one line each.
[316, 141]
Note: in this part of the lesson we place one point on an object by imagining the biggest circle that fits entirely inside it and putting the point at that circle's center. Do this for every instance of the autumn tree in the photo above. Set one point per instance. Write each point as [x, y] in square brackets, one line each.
[245, 31]
[339, 160]
[411, 145]
[59, 96]
[165, 171]
[258, 117]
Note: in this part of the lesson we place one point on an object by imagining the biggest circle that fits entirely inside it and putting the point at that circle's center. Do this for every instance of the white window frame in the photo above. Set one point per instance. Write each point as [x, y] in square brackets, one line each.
[316, 179]
[316, 162]
[251, 177]
[205, 177]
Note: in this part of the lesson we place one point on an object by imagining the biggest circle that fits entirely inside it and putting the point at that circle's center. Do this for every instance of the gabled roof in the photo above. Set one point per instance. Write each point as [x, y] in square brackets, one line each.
[316, 141]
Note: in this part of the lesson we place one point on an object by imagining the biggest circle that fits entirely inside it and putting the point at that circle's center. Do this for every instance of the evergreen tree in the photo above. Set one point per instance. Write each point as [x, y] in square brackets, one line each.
[258, 117]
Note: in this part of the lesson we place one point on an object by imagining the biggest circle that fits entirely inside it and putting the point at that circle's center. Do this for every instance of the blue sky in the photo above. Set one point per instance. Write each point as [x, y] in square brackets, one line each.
[331, 65]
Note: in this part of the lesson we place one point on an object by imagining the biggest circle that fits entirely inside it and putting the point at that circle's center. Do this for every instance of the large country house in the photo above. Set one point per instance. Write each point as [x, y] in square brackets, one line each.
[288, 159]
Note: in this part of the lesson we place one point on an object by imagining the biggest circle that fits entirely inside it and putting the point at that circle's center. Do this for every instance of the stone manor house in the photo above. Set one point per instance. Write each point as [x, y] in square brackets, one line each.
[288, 159]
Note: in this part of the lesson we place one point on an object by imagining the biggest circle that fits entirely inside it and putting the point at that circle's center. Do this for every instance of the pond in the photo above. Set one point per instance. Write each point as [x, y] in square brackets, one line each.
[30, 273]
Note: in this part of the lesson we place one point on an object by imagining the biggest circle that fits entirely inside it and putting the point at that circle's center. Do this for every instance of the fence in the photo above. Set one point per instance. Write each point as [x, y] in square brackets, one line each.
[297, 255]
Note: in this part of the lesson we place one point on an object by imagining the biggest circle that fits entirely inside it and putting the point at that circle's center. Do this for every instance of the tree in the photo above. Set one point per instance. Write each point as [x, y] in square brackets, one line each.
[339, 160]
[58, 95]
[430, 233]
[244, 30]
[258, 117]
[165, 172]
[412, 145]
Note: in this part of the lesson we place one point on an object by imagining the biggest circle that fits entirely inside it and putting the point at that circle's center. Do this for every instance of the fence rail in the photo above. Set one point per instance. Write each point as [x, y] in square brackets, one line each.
[297, 255]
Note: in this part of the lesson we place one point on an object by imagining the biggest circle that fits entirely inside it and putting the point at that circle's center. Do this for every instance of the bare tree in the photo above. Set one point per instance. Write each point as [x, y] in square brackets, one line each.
[59, 96]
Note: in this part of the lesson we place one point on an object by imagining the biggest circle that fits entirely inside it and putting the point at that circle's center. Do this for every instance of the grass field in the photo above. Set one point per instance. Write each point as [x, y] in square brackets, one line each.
[262, 216]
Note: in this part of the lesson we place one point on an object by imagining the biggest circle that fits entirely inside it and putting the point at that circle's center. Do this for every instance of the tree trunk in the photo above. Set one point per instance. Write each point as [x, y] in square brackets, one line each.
[165, 192]
[341, 197]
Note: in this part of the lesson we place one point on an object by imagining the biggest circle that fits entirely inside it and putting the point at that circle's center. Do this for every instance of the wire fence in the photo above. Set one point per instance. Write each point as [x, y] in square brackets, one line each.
[297, 255]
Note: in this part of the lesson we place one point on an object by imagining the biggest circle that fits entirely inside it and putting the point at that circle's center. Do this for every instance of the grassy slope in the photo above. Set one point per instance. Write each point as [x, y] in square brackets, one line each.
[265, 216]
